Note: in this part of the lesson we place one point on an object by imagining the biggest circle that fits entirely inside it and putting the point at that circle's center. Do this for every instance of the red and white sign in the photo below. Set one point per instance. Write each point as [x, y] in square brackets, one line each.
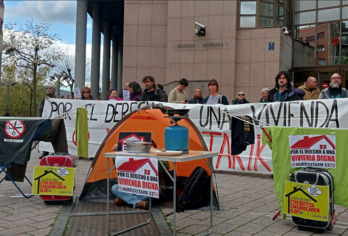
[313, 151]
[138, 176]
[14, 128]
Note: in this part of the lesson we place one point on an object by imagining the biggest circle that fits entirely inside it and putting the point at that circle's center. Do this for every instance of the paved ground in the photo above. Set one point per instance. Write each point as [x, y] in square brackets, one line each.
[247, 204]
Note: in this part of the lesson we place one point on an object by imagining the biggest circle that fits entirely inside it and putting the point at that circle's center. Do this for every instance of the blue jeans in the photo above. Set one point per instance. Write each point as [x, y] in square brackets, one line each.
[129, 198]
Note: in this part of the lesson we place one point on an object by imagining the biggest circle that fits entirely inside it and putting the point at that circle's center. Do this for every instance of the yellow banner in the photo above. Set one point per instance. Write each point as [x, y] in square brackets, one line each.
[307, 201]
[53, 180]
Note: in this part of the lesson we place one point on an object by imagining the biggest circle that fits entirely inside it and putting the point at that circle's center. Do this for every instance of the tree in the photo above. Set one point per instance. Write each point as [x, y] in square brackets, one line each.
[32, 49]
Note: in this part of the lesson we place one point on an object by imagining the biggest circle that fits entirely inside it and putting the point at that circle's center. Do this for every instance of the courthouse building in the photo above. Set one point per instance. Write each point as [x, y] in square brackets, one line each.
[242, 44]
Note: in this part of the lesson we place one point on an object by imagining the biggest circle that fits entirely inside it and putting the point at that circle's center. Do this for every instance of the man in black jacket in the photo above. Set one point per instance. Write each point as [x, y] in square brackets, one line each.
[282, 91]
[151, 91]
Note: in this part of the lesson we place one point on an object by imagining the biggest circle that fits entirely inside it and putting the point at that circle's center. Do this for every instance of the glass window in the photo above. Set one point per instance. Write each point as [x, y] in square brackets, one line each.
[247, 21]
[264, 21]
[326, 3]
[301, 5]
[321, 61]
[270, 1]
[266, 9]
[305, 18]
[328, 14]
[345, 2]
[320, 48]
[248, 8]
[310, 39]
[344, 12]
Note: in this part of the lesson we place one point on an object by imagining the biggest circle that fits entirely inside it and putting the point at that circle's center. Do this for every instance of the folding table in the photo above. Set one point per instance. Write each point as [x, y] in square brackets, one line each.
[192, 155]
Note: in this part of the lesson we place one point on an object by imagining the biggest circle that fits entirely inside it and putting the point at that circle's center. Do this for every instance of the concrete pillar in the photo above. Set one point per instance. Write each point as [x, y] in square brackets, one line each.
[119, 62]
[114, 63]
[95, 62]
[106, 62]
[80, 48]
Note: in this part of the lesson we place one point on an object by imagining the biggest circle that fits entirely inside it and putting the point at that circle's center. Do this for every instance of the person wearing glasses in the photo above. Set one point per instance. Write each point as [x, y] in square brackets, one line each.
[335, 89]
[240, 99]
[215, 97]
[283, 90]
[86, 94]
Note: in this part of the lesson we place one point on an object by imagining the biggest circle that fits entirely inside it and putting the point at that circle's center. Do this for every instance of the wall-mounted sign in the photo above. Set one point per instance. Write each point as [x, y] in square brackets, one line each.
[200, 45]
[271, 46]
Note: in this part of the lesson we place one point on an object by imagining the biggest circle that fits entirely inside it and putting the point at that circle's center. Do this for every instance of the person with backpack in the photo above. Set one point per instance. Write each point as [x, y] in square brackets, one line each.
[215, 97]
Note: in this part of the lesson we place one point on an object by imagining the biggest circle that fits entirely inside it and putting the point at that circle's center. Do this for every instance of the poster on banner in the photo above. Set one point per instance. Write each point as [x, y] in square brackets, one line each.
[307, 201]
[138, 176]
[212, 121]
[49, 180]
[313, 151]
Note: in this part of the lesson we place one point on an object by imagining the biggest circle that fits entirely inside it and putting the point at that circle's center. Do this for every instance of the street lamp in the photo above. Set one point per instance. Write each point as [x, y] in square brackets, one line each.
[69, 79]
[58, 76]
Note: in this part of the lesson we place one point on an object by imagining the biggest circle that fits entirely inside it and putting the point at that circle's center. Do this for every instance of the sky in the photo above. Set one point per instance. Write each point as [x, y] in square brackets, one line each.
[61, 15]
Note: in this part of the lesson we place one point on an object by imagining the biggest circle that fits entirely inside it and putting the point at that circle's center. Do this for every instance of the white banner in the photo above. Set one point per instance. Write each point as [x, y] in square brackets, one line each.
[213, 121]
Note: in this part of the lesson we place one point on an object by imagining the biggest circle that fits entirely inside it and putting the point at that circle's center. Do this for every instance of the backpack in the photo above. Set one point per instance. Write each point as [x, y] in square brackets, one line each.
[196, 191]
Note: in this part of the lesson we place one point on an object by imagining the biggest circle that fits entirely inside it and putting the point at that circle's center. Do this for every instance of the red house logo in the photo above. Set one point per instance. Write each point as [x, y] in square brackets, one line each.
[133, 166]
[131, 138]
[317, 142]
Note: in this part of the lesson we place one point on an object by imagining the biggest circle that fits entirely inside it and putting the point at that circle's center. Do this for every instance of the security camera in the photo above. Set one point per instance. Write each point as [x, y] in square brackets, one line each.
[286, 31]
[199, 29]
[199, 25]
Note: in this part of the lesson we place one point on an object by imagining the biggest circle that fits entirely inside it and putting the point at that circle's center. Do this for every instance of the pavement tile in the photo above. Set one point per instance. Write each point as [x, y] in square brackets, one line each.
[193, 229]
[263, 233]
[224, 228]
[40, 232]
[280, 227]
[251, 228]
[237, 233]
[16, 231]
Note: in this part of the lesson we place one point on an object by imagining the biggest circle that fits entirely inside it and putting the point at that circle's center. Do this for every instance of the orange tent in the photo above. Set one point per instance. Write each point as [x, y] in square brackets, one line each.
[144, 120]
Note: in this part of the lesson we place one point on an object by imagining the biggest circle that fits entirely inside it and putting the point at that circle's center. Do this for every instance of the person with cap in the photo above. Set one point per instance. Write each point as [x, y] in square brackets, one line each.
[335, 89]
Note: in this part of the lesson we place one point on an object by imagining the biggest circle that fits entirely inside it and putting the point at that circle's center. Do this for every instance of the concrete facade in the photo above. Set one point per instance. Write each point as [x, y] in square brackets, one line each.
[159, 39]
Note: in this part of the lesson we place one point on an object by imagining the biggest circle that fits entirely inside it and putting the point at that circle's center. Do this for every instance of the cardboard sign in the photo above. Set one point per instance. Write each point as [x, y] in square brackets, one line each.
[138, 176]
[307, 201]
[313, 151]
[53, 180]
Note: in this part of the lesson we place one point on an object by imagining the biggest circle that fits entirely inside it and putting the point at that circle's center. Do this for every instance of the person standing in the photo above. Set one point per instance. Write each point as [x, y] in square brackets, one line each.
[162, 88]
[215, 97]
[264, 95]
[335, 89]
[197, 97]
[283, 90]
[178, 94]
[86, 93]
[151, 91]
[240, 99]
[113, 95]
[49, 90]
[310, 88]
[135, 91]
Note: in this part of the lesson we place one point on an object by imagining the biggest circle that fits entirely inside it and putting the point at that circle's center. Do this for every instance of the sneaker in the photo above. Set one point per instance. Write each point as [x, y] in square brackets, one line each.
[118, 202]
[142, 205]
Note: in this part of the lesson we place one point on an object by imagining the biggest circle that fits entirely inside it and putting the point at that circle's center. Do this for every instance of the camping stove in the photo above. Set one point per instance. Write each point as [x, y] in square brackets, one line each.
[176, 137]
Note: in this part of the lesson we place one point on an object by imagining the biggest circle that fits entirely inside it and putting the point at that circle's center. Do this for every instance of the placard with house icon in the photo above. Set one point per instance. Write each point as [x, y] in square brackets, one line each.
[128, 137]
[307, 201]
[138, 175]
